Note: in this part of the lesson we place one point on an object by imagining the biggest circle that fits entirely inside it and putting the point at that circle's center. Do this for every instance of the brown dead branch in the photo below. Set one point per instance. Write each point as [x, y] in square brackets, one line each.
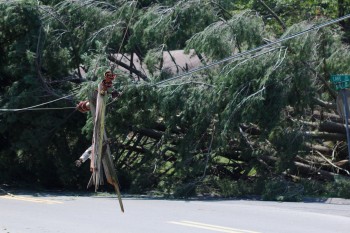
[128, 67]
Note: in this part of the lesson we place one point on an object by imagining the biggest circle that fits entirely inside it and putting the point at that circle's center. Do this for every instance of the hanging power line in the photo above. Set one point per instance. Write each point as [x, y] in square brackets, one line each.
[316, 27]
[319, 26]
[34, 107]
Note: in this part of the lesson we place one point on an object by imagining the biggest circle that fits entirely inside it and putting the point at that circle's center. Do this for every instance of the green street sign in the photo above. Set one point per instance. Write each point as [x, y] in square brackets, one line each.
[341, 81]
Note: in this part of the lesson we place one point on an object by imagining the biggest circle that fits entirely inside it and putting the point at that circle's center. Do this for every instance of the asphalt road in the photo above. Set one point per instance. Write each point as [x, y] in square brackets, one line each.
[49, 213]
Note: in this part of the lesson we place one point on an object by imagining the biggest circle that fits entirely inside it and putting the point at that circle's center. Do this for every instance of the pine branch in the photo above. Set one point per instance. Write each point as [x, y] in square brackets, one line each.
[323, 80]
[222, 8]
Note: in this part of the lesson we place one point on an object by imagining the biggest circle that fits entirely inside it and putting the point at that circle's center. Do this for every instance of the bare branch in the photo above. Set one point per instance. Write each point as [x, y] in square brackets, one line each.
[126, 66]
[328, 161]
[325, 104]
[325, 136]
[273, 14]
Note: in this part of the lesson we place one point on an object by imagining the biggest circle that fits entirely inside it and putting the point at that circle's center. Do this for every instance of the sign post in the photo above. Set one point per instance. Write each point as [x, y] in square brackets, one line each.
[342, 82]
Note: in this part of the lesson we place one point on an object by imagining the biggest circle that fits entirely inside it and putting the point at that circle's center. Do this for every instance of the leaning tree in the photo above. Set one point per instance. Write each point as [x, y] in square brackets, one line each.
[243, 125]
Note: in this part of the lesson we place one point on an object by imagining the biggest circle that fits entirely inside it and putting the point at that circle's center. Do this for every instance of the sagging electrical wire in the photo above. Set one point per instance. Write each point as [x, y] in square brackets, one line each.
[34, 107]
[316, 27]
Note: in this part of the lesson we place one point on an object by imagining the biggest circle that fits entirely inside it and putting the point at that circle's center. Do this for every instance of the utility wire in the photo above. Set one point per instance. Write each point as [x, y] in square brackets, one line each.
[34, 109]
[35, 106]
[127, 27]
[125, 33]
[319, 26]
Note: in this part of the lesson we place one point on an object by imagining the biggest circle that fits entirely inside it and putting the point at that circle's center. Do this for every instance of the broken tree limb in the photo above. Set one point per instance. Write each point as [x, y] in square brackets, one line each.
[343, 164]
[326, 126]
[125, 66]
[318, 147]
[307, 169]
[331, 127]
[330, 162]
[325, 104]
[313, 170]
[325, 136]
[283, 25]
[318, 115]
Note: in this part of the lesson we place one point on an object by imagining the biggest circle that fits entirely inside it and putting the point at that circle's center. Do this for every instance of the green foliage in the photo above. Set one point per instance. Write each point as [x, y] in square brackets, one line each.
[341, 188]
[32, 141]
[153, 58]
[169, 25]
[316, 188]
[220, 39]
[213, 130]
[282, 190]
[241, 188]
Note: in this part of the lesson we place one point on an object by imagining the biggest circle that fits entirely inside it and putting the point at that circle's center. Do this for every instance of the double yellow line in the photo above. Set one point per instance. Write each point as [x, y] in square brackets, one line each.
[30, 199]
[211, 227]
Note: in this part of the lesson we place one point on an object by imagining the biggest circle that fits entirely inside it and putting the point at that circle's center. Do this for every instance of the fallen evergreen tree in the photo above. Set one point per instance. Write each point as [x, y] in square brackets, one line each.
[245, 126]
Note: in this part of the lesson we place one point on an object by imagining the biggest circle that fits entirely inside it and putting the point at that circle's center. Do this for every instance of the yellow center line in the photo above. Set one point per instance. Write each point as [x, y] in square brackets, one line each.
[211, 227]
[36, 200]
